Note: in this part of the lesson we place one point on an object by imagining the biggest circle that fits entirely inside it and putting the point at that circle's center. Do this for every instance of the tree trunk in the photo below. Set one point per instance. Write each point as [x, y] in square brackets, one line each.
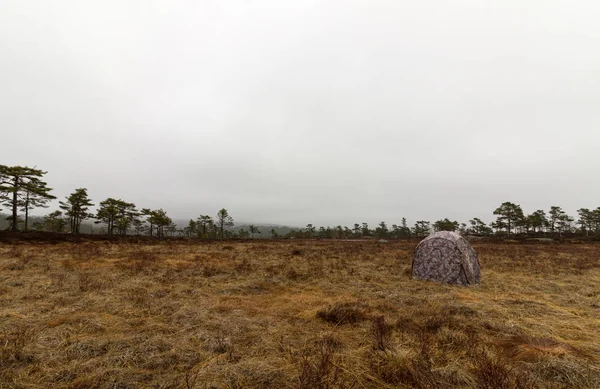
[26, 212]
[14, 205]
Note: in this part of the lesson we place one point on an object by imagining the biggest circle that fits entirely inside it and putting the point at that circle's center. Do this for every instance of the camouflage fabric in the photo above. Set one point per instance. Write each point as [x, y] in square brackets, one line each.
[446, 257]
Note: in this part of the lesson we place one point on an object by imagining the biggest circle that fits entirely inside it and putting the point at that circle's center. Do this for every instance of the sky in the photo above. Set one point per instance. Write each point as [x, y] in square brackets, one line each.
[295, 112]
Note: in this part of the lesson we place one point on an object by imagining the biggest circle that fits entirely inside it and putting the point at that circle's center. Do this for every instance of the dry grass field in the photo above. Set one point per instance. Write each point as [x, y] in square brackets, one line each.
[294, 314]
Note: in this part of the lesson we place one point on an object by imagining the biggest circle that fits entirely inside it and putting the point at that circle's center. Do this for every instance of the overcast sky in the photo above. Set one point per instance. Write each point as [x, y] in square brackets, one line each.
[295, 112]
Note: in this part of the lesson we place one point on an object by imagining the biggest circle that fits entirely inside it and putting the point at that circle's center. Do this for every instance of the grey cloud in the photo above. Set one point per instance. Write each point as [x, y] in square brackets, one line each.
[307, 112]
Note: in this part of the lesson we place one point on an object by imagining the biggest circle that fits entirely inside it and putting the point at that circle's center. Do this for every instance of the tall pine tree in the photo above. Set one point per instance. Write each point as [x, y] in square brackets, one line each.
[76, 208]
[21, 186]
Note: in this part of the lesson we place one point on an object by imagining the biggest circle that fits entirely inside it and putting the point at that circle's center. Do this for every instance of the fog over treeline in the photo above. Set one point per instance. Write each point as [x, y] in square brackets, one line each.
[22, 190]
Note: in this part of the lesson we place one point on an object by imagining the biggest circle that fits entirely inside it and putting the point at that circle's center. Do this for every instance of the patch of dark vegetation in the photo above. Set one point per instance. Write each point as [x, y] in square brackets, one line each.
[318, 369]
[381, 333]
[144, 255]
[243, 267]
[343, 313]
[492, 373]
[58, 237]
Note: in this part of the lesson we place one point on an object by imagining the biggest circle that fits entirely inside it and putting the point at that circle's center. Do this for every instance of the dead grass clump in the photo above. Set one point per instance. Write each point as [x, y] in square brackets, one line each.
[139, 297]
[86, 251]
[316, 268]
[330, 341]
[566, 372]
[143, 255]
[16, 252]
[531, 348]
[245, 374]
[274, 270]
[220, 344]
[292, 274]
[243, 267]
[90, 281]
[77, 349]
[318, 370]
[458, 310]
[68, 264]
[434, 323]
[381, 333]
[493, 373]
[79, 322]
[13, 342]
[343, 313]
[404, 367]
[16, 265]
[210, 270]
[351, 249]
[135, 266]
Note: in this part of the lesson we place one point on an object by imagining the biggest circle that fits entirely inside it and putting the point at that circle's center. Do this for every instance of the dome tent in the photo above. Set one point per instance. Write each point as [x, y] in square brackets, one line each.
[446, 257]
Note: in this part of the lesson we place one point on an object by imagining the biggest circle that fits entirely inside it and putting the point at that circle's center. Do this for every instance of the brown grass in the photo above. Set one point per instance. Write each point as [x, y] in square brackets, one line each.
[295, 314]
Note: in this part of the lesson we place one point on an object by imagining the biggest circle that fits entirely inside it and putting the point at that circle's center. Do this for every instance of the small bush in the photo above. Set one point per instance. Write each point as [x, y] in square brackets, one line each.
[343, 313]
[319, 372]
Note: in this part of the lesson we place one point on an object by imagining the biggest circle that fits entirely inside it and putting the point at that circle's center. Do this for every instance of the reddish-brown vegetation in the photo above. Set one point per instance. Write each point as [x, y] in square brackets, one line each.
[314, 314]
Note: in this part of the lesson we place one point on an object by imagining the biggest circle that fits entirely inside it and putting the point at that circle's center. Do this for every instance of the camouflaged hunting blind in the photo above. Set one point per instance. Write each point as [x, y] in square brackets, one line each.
[446, 257]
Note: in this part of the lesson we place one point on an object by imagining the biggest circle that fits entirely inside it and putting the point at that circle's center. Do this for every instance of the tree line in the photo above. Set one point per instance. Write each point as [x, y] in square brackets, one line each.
[23, 189]
[510, 220]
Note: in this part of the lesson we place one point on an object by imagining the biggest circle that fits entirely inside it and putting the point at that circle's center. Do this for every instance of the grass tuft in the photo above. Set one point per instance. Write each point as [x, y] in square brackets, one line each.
[343, 313]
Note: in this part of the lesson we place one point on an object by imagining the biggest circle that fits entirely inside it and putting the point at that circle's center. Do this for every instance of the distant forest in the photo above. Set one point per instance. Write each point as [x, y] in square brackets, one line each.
[23, 189]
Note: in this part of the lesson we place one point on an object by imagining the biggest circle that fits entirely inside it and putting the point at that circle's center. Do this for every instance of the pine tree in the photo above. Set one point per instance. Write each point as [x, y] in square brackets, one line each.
[76, 208]
[32, 200]
[445, 225]
[478, 227]
[17, 183]
[382, 230]
[253, 230]
[160, 219]
[54, 222]
[223, 221]
[556, 214]
[509, 215]
[117, 214]
[204, 223]
[421, 228]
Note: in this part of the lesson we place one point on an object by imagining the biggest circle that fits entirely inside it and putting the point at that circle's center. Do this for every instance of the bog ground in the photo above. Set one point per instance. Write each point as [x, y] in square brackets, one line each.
[311, 314]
